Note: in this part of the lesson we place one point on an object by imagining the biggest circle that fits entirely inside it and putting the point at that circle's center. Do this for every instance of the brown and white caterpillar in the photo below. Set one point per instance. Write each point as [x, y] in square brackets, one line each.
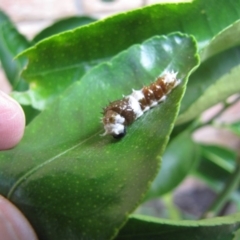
[122, 113]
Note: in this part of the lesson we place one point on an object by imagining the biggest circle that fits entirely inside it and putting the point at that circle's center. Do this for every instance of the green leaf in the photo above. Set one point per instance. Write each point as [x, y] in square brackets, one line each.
[214, 81]
[226, 39]
[12, 43]
[63, 25]
[178, 160]
[72, 183]
[139, 227]
[207, 85]
[216, 165]
[30, 113]
[57, 62]
[234, 127]
[237, 235]
[222, 157]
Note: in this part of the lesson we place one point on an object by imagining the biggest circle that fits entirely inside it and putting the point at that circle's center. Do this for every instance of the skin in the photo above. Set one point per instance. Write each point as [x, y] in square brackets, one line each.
[12, 122]
[13, 224]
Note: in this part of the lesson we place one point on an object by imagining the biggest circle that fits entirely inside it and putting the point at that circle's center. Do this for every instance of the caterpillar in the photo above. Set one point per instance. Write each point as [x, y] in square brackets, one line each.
[123, 112]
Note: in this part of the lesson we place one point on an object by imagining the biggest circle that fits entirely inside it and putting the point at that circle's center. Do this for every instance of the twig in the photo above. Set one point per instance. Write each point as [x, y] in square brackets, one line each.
[223, 196]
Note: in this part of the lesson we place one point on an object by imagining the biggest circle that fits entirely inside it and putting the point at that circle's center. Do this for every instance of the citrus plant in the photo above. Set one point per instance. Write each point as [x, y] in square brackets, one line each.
[73, 183]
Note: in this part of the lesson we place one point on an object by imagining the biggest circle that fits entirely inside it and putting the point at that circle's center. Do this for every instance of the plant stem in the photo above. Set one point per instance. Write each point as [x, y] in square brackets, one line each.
[173, 212]
[223, 196]
[234, 179]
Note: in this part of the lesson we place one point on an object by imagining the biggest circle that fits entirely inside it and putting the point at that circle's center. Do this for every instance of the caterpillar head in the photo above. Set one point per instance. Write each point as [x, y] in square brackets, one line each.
[114, 124]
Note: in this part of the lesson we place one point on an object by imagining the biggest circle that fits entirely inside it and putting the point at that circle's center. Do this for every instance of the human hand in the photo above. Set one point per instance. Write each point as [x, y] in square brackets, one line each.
[12, 122]
[13, 224]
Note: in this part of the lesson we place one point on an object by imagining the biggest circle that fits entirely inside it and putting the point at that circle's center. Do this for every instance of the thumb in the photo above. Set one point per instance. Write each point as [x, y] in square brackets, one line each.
[13, 225]
[12, 122]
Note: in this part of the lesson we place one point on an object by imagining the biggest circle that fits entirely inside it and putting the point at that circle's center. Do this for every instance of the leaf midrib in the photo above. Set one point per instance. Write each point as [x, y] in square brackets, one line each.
[34, 169]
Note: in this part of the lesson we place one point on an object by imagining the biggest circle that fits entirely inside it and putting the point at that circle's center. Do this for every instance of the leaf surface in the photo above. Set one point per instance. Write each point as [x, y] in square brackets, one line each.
[224, 40]
[57, 62]
[216, 165]
[72, 183]
[178, 160]
[63, 25]
[214, 81]
[220, 64]
[142, 228]
[11, 44]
